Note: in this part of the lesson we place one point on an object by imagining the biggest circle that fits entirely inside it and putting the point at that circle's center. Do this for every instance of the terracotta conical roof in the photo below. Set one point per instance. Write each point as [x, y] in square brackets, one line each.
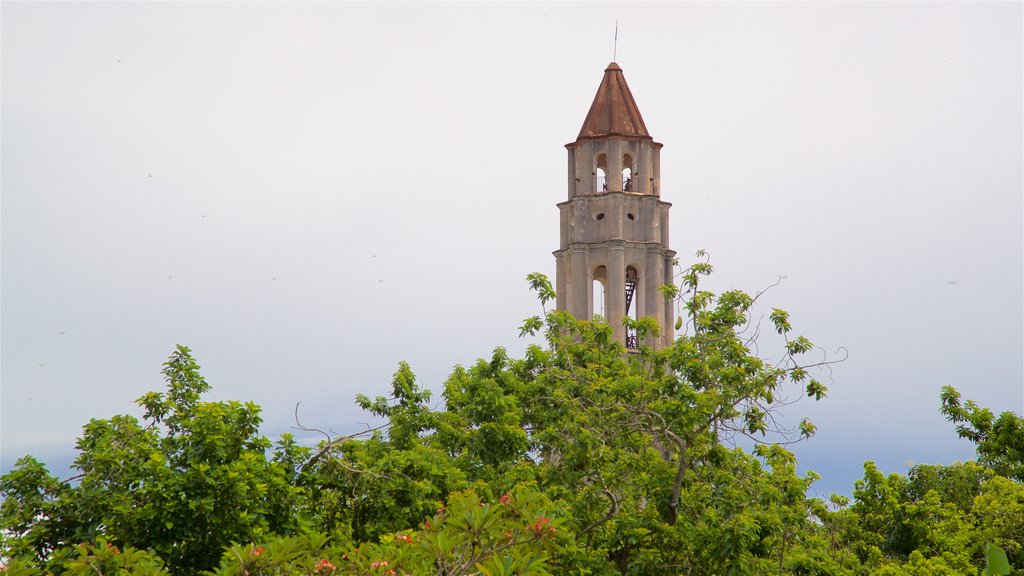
[614, 112]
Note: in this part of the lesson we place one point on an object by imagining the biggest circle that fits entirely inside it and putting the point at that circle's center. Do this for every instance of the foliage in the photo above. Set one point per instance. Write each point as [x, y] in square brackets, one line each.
[512, 535]
[999, 441]
[636, 444]
[94, 559]
[580, 458]
[935, 520]
[185, 482]
[369, 484]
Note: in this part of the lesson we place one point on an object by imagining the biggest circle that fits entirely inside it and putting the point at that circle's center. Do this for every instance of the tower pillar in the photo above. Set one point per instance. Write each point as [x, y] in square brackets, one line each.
[615, 295]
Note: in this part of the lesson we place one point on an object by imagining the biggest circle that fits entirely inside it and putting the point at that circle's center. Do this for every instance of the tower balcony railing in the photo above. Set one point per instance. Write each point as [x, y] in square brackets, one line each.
[601, 184]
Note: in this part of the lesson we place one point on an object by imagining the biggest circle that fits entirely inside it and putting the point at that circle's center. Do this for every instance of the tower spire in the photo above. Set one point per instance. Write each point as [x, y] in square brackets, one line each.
[614, 111]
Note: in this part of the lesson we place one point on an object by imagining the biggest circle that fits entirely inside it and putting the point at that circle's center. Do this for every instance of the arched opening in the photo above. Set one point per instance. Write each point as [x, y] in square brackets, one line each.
[597, 308]
[632, 306]
[601, 173]
[627, 173]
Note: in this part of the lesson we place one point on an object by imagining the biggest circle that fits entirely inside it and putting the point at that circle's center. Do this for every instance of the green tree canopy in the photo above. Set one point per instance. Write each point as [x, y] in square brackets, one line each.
[578, 458]
[184, 482]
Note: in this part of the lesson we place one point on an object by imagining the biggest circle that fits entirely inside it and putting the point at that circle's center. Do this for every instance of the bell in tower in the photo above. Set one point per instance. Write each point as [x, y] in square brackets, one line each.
[613, 254]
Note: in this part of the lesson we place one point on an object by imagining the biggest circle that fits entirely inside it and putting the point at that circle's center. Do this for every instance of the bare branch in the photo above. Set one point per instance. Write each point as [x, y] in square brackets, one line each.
[611, 512]
[73, 478]
[331, 442]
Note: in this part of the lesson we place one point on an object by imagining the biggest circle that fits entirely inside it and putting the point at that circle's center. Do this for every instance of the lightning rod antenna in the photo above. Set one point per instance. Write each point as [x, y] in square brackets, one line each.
[615, 44]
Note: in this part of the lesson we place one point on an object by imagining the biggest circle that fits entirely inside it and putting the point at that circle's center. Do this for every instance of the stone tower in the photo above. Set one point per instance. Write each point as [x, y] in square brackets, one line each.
[614, 226]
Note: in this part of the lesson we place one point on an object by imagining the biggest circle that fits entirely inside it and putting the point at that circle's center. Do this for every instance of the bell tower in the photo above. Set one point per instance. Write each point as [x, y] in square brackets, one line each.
[613, 254]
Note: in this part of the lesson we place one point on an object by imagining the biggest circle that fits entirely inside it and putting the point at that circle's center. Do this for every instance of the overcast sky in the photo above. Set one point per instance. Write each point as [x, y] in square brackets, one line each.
[307, 194]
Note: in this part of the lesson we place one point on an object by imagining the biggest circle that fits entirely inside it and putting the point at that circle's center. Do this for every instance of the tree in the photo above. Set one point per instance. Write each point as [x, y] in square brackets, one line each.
[90, 559]
[636, 457]
[999, 441]
[384, 479]
[188, 480]
[637, 443]
[511, 536]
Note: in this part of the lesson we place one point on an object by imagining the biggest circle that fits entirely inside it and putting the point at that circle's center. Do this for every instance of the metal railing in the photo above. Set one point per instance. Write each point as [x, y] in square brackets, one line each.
[632, 342]
[601, 184]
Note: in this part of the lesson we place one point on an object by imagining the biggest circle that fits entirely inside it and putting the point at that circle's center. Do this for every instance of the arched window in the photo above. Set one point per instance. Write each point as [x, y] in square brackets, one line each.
[632, 305]
[601, 174]
[627, 173]
[597, 309]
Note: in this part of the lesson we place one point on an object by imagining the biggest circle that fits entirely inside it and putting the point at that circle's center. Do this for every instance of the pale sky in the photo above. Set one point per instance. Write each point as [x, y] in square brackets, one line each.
[307, 194]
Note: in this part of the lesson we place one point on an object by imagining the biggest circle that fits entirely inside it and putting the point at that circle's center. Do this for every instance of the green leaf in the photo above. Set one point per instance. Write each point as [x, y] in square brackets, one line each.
[669, 291]
[780, 318]
[816, 389]
[996, 561]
